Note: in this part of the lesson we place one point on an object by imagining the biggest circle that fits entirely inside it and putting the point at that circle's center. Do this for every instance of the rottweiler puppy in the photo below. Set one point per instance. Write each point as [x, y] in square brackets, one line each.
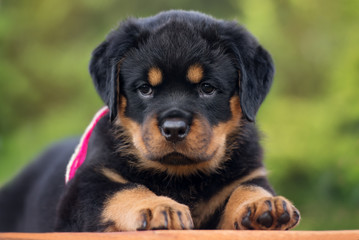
[177, 147]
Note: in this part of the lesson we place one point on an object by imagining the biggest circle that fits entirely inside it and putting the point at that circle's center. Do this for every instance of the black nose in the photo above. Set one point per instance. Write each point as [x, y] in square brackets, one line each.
[175, 124]
[174, 129]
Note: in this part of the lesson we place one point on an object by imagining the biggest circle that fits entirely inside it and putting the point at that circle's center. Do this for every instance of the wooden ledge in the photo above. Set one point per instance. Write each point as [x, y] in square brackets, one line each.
[192, 235]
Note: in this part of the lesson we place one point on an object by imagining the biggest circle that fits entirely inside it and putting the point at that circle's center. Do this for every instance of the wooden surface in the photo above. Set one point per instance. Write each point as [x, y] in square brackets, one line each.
[192, 235]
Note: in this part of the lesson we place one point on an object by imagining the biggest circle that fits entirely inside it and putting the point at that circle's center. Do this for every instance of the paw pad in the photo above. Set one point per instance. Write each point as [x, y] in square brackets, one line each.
[273, 213]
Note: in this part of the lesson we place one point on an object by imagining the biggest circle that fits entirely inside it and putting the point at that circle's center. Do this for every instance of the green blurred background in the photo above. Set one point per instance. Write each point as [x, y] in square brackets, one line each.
[310, 119]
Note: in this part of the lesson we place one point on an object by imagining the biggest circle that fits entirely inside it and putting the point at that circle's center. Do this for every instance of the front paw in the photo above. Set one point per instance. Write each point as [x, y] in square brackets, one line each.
[164, 215]
[128, 213]
[270, 213]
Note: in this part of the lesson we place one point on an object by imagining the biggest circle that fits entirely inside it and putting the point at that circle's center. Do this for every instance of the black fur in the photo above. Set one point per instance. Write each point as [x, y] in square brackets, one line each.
[234, 63]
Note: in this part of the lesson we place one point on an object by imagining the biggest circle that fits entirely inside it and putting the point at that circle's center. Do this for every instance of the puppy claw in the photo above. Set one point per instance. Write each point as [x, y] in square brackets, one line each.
[296, 218]
[285, 217]
[179, 214]
[191, 224]
[144, 223]
[166, 219]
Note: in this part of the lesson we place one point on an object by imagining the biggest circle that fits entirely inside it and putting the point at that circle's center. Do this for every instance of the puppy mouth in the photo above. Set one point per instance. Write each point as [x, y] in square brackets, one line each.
[197, 147]
[176, 158]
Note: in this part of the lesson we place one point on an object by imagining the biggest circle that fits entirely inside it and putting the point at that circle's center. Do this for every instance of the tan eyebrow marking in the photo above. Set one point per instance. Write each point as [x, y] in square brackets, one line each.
[195, 73]
[154, 76]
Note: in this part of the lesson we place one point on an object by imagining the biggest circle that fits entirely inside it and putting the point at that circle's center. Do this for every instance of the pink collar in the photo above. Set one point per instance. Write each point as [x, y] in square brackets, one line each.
[79, 156]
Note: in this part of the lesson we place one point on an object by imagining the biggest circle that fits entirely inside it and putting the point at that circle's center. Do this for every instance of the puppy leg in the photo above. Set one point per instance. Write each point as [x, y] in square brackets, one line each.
[105, 201]
[253, 207]
[141, 209]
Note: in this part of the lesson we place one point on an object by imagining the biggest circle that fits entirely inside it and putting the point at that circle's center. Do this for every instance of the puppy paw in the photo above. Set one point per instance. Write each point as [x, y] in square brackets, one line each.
[274, 213]
[124, 213]
[165, 216]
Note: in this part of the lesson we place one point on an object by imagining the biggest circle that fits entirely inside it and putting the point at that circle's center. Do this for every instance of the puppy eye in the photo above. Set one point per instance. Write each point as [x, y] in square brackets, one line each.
[145, 90]
[207, 88]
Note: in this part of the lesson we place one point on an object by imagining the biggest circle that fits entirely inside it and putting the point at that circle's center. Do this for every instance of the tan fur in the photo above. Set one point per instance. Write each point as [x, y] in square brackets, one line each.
[239, 198]
[127, 209]
[113, 176]
[154, 76]
[258, 201]
[195, 73]
[131, 131]
[204, 209]
[203, 142]
[156, 146]
[122, 207]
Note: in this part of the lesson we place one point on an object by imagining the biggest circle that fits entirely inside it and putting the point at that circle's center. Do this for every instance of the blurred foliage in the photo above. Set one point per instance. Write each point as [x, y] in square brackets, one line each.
[310, 120]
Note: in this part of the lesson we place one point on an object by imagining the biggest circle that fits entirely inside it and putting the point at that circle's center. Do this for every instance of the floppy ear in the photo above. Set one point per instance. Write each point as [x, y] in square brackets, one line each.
[256, 76]
[103, 75]
[105, 63]
[255, 66]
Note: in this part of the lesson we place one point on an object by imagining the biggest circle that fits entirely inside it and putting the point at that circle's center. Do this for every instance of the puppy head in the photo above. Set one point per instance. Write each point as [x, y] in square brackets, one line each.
[180, 83]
